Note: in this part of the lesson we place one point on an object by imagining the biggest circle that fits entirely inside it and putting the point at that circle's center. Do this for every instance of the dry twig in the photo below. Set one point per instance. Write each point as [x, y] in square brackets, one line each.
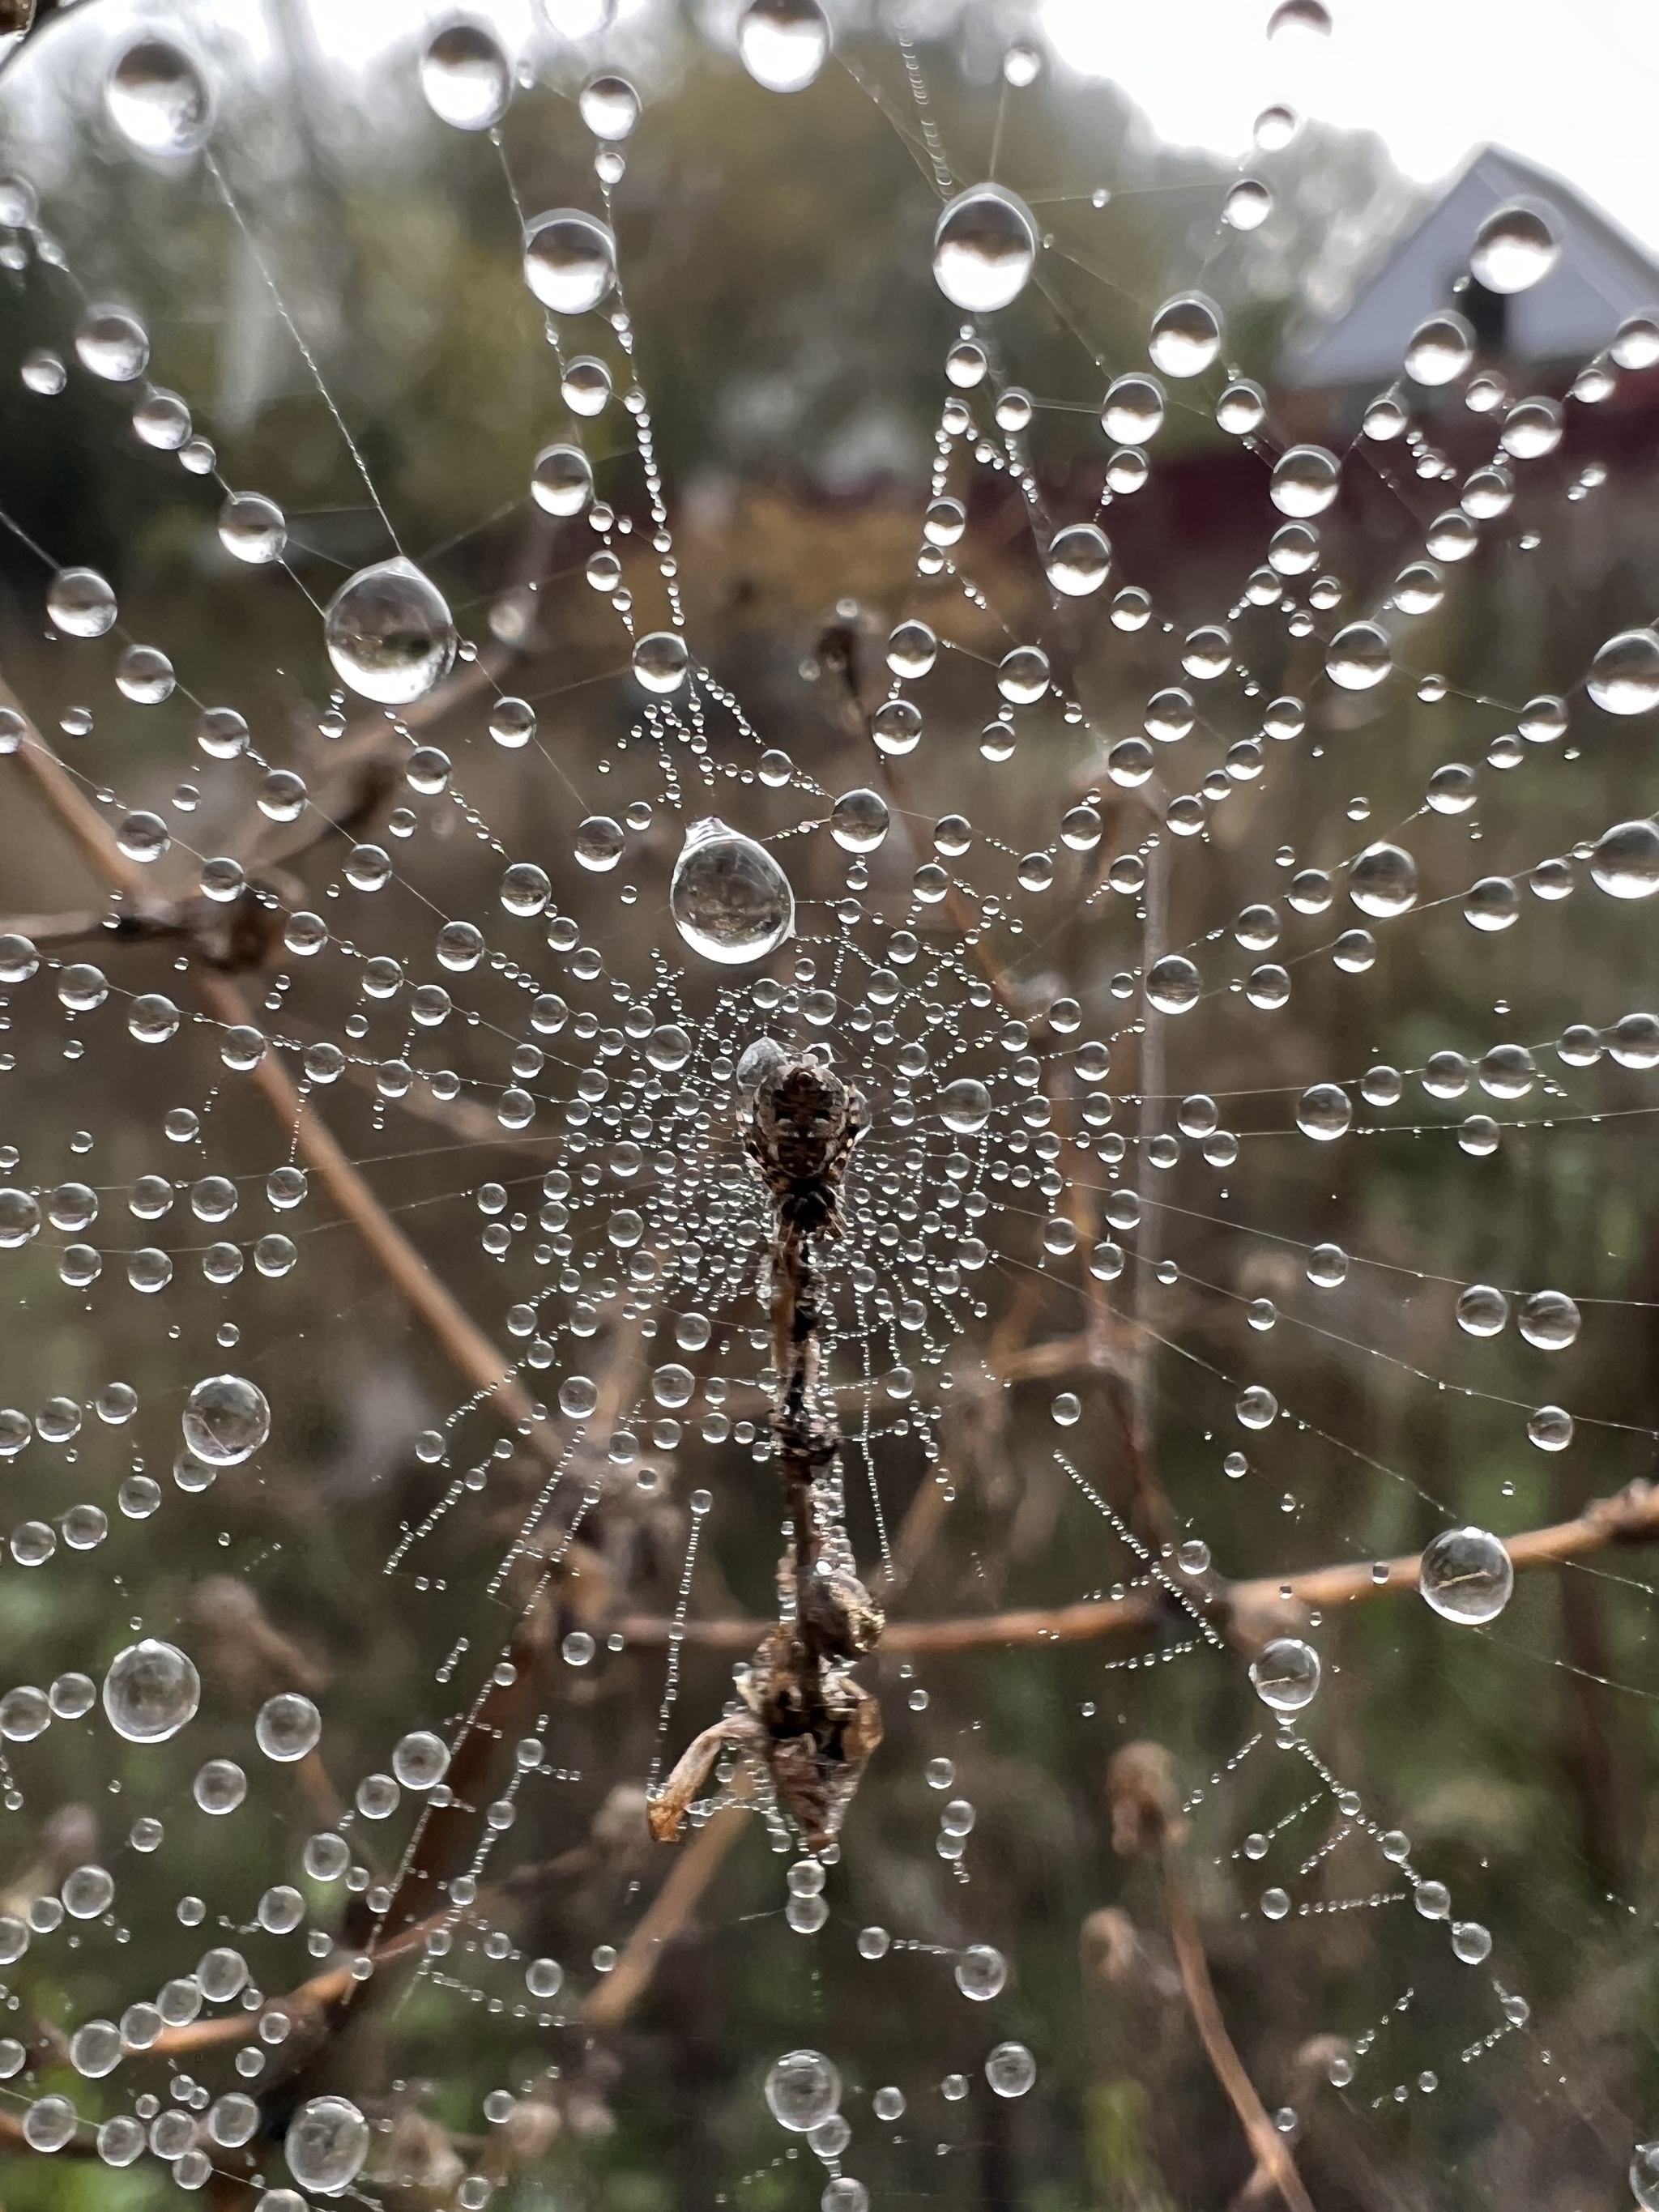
[1630, 1517]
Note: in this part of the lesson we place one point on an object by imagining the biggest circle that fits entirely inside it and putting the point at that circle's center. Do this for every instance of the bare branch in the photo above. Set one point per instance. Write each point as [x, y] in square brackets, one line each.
[1632, 1517]
[1272, 2154]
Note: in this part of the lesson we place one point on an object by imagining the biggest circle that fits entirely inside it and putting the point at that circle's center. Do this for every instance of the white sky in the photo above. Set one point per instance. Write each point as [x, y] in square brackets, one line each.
[1570, 86]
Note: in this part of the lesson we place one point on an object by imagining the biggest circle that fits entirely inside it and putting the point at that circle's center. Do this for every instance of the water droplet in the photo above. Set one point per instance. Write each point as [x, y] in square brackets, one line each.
[220, 1786]
[1242, 408]
[152, 1689]
[419, 1759]
[287, 1727]
[586, 386]
[1133, 410]
[1516, 247]
[389, 633]
[81, 603]
[1548, 1319]
[1624, 677]
[1324, 1112]
[1440, 349]
[1284, 1674]
[569, 261]
[858, 821]
[1173, 984]
[609, 107]
[730, 901]
[1275, 127]
[1022, 675]
[1010, 2070]
[145, 674]
[984, 249]
[1305, 480]
[1308, 17]
[253, 528]
[1382, 881]
[111, 342]
[981, 1973]
[327, 2144]
[1466, 1576]
[226, 1420]
[660, 662]
[1248, 205]
[1531, 428]
[562, 480]
[157, 98]
[1186, 335]
[1358, 657]
[1079, 560]
[783, 44]
[802, 2089]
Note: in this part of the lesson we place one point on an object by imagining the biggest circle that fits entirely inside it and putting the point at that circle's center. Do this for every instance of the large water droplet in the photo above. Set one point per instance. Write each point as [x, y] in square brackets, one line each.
[1248, 205]
[1285, 1674]
[569, 261]
[157, 98]
[1306, 18]
[1625, 861]
[1305, 480]
[562, 481]
[1549, 1320]
[660, 660]
[730, 900]
[389, 633]
[81, 603]
[226, 1419]
[326, 2144]
[984, 249]
[465, 77]
[610, 107]
[112, 343]
[1186, 335]
[253, 528]
[1173, 984]
[858, 820]
[151, 1690]
[1382, 881]
[964, 1106]
[802, 2089]
[1466, 1575]
[1516, 247]
[783, 44]
[1323, 1112]
[1133, 410]
[1624, 677]
[1358, 657]
[287, 1727]
[1440, 349]
[1010, 2070]
[419, 1759]
[1079, 560]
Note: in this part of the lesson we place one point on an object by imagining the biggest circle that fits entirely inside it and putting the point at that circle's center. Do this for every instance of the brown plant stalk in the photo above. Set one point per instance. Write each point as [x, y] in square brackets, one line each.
[1630, 1516]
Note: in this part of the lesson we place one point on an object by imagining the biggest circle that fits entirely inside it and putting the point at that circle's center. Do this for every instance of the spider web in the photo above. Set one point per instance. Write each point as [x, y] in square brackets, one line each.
[1254, 1178]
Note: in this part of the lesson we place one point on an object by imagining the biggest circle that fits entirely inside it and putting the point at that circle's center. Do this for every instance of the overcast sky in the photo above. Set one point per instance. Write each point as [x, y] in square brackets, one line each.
[1571, 86]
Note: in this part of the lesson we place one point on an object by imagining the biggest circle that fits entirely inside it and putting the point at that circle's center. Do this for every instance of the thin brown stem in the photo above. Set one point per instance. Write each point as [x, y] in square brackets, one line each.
[1272, 2154]
[1632, 1517]
[469, 1350]
[611, 2002]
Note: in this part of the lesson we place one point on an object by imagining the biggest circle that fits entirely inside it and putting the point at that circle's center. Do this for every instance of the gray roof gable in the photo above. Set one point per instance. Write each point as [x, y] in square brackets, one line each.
[1602, 275]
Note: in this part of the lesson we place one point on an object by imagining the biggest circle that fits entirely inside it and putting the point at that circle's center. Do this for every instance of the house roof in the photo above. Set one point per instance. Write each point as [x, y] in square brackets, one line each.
[1602, 277]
